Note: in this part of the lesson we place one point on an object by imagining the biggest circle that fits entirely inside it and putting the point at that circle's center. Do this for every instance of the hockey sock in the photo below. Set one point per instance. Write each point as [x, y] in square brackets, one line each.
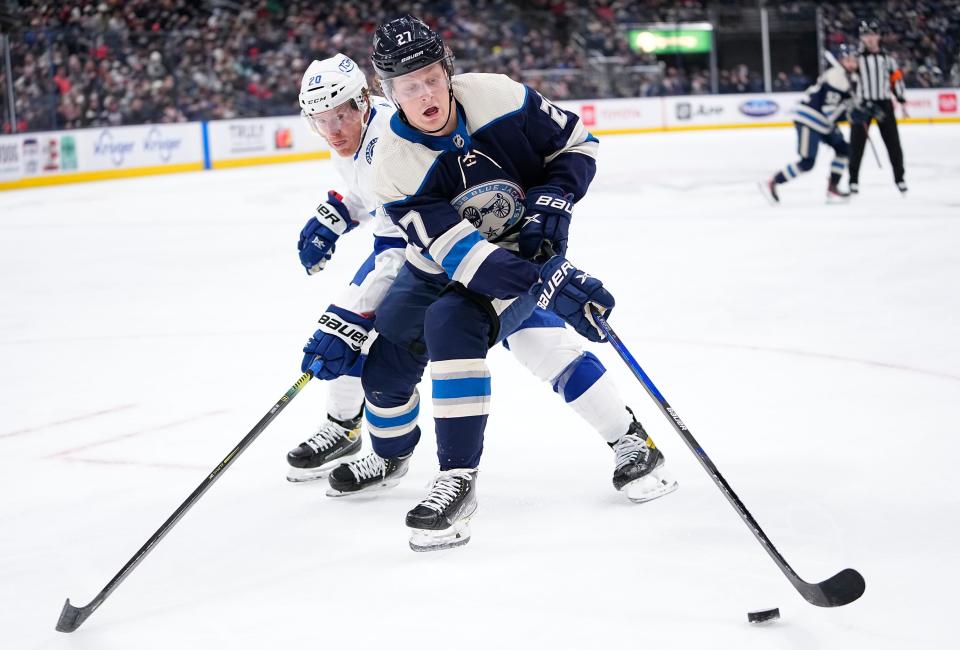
[585, 386]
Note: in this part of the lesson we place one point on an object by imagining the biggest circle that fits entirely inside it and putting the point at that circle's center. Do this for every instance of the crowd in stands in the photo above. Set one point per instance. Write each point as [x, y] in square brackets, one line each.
[79, 63]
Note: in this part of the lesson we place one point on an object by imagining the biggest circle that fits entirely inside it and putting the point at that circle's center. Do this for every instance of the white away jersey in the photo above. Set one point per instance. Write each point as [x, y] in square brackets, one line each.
[356, 171]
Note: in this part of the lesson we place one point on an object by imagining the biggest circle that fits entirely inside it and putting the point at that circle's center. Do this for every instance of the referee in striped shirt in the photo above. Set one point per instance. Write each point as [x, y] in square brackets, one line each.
[879, 78]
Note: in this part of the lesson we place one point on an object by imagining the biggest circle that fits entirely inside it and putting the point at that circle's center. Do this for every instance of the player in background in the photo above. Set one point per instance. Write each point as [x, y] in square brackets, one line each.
[815, 120]
[337, 104]
[474, 169]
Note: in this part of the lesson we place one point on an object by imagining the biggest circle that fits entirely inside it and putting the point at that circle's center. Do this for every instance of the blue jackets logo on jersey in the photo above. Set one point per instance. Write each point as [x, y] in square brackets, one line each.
[491, 207]
[368, 154]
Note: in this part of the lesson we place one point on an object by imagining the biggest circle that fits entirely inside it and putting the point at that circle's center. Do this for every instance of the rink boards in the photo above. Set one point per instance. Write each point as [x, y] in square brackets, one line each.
[79, 155]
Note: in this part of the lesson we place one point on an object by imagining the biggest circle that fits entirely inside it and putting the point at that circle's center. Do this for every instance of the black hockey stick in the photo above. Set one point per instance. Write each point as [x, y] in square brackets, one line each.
[73, 617]
[873, 148]
[841, 589]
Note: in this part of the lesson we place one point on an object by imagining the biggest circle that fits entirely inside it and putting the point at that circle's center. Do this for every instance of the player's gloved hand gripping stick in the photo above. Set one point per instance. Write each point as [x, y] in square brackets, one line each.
[73, 617]
[841, 589]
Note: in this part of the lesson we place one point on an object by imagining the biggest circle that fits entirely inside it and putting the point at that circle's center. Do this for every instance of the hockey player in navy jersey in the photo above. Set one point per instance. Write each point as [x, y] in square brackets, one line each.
[481, 174]
[337, 105]
[815, 120]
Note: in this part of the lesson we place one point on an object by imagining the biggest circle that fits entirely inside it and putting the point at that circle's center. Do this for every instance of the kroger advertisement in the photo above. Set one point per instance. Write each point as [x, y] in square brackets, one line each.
[56, 153]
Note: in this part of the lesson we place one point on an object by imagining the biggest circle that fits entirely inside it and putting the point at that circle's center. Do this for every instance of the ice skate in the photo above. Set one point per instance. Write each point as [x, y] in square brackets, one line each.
[769, 190]
[442, 519]
[854, 188]
[366, 475]
[836, 195]
[333, 443]
[639, 469]
[902, 186]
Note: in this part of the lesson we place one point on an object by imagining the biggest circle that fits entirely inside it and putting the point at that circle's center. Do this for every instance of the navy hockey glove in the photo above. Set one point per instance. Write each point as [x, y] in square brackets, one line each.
[318, 238]
[336, 344]
[569, 293]
[546, 219]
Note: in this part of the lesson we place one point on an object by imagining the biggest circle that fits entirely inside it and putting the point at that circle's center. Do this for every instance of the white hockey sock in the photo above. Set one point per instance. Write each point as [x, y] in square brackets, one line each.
[344, 397]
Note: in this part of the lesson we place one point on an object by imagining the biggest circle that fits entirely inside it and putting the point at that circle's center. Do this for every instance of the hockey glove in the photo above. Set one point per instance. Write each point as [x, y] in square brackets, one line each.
[570, 293]
[547, 219]
[336, 344]
[318, 238]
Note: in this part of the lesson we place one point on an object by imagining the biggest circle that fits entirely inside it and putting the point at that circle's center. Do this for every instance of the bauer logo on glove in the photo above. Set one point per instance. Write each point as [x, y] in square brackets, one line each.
[353, 335]
[570, 294]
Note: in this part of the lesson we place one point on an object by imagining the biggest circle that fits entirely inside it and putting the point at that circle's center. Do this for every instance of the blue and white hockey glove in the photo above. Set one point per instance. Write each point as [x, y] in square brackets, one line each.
[546, 220]
[318, 238]
[336, 344]
[569, 293]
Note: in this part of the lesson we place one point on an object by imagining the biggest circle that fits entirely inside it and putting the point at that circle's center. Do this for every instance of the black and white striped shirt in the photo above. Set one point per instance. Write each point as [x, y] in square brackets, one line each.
[877, 72]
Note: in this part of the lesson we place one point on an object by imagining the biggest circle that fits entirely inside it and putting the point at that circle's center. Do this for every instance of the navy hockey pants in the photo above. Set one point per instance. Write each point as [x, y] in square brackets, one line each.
[423, 320]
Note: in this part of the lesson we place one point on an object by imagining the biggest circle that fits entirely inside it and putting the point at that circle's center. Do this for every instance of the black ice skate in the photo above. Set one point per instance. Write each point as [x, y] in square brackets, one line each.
[368, 474]
[442, 519]
[769, 190]
[638, 471]
[333, 443]
[835, 194]
[902, 186]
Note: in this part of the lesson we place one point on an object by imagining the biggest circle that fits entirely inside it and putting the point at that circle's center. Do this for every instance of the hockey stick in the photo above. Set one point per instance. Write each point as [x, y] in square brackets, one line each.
[73, 617]
[842, 589]
[873, 148]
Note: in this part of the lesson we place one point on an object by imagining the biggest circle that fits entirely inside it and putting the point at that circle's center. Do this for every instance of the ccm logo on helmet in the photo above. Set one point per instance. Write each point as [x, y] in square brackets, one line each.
[550, 286]
[353, 335]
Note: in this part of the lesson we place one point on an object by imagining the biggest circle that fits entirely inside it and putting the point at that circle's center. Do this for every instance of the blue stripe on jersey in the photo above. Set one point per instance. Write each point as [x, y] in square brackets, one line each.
[813, 115]
[364, 270]
[455, 256]
[465, 387]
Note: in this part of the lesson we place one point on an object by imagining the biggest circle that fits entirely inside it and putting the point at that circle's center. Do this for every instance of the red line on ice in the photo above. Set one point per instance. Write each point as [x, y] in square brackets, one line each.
[49, 425]
[168, 425]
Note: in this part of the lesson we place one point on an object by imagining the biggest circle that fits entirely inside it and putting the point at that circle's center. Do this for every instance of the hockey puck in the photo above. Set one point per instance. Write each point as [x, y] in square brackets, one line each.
[763, 615]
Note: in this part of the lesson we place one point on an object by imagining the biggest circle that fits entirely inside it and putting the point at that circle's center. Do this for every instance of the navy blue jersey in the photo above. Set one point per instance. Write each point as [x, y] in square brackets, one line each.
[459, 198]
[826, 101]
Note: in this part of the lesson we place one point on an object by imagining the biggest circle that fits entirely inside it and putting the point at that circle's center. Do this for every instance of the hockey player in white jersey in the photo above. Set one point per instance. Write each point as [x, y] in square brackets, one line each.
[338, 106]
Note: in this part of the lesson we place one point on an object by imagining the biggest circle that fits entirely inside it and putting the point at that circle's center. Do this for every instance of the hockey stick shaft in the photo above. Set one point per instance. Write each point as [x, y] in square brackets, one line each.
[841, 589]
[873, 148]
[72, 617]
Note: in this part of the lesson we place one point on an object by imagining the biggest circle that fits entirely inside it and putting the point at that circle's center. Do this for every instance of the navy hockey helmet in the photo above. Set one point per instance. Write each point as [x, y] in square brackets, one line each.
[406, 44]
[845, 50]
[869, 27]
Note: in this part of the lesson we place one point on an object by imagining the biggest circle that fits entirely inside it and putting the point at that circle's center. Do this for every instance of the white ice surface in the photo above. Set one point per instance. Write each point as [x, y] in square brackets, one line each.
[147, 324]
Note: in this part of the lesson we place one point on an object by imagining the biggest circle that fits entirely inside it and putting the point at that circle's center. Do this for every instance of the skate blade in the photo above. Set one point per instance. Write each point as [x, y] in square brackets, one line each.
[766, 193]
[426, 541]
[649, 487]
[308, 474]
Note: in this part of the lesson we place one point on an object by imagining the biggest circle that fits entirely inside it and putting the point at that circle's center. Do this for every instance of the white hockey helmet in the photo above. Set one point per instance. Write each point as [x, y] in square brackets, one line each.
[330, 83]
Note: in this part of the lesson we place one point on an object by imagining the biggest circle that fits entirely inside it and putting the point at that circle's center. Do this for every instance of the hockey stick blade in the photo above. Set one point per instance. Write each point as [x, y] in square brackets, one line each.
[72, 617]
[842, 589]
